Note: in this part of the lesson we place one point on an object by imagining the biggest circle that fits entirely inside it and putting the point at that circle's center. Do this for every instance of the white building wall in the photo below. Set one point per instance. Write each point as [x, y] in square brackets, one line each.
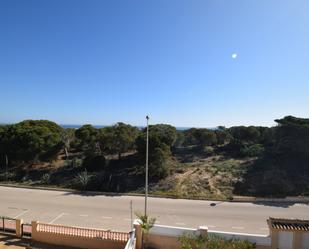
[285, 240]
[305, 241]
[170, 231]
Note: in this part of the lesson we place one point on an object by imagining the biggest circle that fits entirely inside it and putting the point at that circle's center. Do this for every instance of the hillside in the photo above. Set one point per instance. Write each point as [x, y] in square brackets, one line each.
[195, 163]
[200, 177]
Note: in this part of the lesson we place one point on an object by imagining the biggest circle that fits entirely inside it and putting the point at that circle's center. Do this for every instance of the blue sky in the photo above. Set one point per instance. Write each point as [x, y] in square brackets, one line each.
[99, 62]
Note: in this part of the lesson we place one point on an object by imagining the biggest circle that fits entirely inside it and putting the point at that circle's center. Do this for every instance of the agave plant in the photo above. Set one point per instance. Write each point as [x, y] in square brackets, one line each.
[82, 179]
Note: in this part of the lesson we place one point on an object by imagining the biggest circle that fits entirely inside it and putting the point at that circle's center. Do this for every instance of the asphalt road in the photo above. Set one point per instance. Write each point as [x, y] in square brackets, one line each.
[113, 212]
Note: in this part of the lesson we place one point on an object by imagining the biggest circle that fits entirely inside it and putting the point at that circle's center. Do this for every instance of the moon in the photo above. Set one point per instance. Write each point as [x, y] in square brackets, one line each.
[234, 56]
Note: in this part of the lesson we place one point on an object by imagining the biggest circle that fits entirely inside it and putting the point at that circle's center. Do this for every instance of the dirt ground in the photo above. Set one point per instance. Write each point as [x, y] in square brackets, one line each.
[11, 242]
[7, 241]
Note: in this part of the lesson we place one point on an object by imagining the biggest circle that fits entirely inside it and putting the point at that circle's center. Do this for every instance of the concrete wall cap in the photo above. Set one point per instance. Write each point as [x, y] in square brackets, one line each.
[136, 222]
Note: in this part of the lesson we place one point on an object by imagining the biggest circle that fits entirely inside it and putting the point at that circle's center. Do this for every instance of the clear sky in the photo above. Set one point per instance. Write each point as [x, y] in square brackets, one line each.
[196, 63]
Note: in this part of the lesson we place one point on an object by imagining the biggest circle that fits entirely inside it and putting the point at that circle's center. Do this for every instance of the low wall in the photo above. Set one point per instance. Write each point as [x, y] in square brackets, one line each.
[171, 231]
[166, 237]
[78, 237]
[162, 241]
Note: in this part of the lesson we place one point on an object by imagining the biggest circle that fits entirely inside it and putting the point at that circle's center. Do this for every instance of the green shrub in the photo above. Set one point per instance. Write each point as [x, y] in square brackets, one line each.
[240, 244]
[216, 242]
[252, 151]
[76, 162]
[45, 179]
[82, 180]
[209, 151]
[198, 241]
[9, 176]
[192, 241]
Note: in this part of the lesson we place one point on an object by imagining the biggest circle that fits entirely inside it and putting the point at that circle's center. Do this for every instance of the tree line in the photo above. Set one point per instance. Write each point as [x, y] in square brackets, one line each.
[43, 140]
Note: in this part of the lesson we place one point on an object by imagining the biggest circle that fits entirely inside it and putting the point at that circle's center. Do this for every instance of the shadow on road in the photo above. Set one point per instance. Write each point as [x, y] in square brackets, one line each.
[277, 204]
[91, 193]
[213, 204]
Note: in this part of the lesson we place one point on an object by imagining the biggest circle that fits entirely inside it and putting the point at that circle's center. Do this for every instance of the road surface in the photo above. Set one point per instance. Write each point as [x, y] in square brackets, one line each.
[113, 212]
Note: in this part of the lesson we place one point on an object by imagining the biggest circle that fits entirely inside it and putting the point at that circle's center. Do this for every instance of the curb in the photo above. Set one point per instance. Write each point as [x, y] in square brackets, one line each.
[73, 191]
[288, 199]
[240, 199]
[67, 190]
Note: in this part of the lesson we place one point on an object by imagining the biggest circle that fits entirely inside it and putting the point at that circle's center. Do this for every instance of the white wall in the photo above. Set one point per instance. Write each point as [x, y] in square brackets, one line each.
[170, 231]
[305, 241]
[285, 240]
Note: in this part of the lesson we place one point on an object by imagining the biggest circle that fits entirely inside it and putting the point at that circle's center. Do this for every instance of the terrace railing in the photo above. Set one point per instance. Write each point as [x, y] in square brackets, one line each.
[26, 230]
[7, 225]
[83, 232]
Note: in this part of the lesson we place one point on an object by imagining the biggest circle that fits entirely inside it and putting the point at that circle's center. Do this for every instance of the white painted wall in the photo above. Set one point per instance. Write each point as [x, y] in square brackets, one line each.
[170, 231]
[305, 241]
[285, 240]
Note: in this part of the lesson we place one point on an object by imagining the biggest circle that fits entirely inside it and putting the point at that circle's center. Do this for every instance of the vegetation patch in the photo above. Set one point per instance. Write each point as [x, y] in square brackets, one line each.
[195, 163]
[199, 241]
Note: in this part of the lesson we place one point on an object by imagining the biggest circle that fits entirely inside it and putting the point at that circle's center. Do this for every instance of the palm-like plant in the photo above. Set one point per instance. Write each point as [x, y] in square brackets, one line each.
[146, 224]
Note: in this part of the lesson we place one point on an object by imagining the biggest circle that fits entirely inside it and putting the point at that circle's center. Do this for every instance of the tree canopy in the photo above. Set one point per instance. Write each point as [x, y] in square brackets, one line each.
[31, 140]
[160, 135]
[245, 134]
[88, 137]
[119, 138]
[292, 136]
[161, 139]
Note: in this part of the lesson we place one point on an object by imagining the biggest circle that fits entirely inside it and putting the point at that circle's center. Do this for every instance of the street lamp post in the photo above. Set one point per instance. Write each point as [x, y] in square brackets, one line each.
[146, 173]
[6, 167]
[131, 211]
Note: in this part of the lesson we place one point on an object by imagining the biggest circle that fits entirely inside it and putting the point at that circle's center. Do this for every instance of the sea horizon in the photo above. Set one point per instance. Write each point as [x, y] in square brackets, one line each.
[76, 126]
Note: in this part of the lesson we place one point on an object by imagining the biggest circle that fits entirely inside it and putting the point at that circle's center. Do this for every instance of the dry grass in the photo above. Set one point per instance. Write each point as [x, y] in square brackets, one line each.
[211, 177]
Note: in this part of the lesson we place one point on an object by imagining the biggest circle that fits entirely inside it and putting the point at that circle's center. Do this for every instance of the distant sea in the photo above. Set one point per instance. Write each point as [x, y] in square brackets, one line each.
[76, 126]
[73, 126]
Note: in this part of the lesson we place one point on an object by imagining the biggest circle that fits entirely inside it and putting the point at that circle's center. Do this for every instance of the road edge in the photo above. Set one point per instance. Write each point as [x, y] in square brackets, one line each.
[289, 199]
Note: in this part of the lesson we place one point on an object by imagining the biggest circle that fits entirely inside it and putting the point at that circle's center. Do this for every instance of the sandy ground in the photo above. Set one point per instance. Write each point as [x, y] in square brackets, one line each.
[7, 241]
